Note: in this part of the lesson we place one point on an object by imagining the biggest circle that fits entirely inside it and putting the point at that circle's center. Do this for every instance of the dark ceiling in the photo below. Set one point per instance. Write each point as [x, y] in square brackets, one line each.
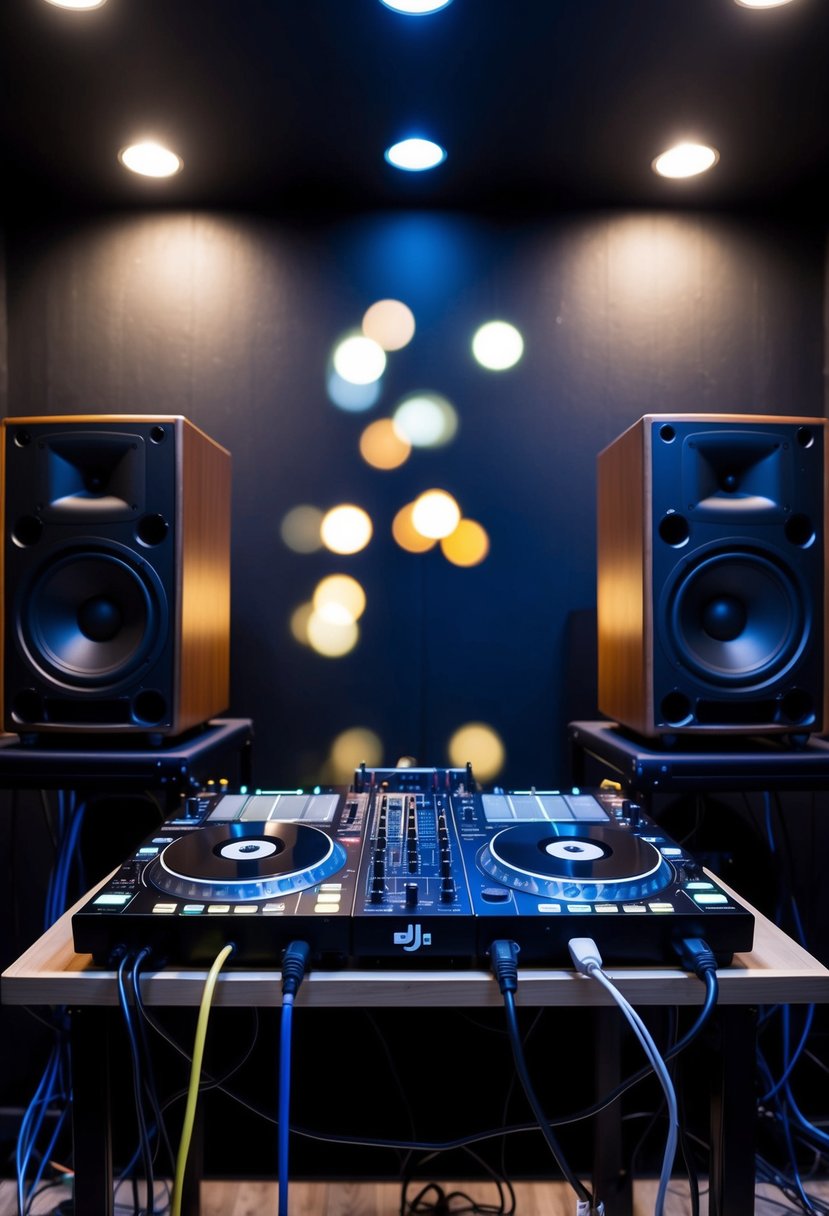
[288, 104]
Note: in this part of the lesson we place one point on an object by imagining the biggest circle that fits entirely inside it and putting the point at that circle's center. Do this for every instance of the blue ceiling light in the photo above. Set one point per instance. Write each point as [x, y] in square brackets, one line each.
[415, 155]
[416, 7]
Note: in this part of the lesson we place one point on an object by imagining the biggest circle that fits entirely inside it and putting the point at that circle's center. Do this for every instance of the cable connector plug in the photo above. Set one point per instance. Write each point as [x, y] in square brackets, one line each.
[504, 955]
[294, 966]
[589, 1209]
[585, 954]
[696, 955]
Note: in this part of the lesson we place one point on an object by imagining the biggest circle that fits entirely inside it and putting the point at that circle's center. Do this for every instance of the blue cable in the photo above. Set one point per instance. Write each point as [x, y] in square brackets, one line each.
[284, 1101]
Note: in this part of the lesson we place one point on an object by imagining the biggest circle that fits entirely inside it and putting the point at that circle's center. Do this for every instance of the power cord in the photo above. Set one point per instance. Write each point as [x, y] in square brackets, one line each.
[504, 958]
[294, 966]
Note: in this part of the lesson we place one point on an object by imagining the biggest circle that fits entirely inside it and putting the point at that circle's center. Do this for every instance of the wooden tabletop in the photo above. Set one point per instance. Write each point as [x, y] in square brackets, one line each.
[776, 970]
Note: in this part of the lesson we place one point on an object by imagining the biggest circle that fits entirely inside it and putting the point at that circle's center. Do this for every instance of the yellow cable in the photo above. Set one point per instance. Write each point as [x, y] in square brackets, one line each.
[195, 1076]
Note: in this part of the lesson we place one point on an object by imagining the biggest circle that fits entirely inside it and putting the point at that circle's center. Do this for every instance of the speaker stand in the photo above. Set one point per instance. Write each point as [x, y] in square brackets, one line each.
[694, 763]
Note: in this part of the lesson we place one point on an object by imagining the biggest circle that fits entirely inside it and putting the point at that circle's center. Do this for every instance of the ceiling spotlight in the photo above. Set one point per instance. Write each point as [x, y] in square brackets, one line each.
[762, 3]
[150, 159]
[77, 4]
[685, 160]
[415, 155]
[416, 7]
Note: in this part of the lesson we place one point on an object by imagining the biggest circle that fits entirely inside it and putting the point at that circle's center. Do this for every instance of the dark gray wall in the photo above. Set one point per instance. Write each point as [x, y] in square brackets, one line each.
[230, 320]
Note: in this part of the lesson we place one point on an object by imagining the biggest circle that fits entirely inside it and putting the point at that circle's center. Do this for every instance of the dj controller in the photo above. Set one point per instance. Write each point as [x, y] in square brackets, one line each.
[409, 866]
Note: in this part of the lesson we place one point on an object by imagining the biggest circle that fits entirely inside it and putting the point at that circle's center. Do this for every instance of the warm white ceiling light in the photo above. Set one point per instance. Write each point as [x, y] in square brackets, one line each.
[79, 4]
[416, 7]
[415, 155]
[685, 160]
[150, 159]
[763, 3]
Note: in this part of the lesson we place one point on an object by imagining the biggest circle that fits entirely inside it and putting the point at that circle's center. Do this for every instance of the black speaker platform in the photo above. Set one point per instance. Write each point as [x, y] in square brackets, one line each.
[697, 764]
[220, 748]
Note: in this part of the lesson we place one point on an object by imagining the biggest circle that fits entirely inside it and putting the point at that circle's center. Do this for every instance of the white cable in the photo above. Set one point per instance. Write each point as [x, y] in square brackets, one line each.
[586, 956]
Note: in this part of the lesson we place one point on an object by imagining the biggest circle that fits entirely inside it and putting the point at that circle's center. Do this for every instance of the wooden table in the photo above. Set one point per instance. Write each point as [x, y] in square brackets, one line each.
[776, 971]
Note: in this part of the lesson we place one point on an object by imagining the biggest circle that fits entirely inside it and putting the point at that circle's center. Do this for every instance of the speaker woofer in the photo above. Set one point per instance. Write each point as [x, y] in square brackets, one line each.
[737, 618]
[92, 617]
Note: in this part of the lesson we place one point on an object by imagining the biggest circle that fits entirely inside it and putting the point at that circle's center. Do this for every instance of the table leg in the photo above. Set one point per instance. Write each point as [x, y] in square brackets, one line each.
[611, 1177]
[733, 1113]
[91, 1121]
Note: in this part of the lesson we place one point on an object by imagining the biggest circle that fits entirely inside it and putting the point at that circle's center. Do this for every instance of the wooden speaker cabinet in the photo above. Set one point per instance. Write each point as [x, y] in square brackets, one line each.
[712, 575]
[115, 574]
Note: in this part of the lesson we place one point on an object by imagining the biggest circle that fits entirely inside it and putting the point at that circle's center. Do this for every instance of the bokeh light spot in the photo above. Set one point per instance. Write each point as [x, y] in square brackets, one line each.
[300, 529]
[359, 360]
[299, 623]
[435, 514]
[382, 447]
[340, 599]
[480, 745]
[354, 398]
[389, 323]
[426, 420]
[330, 639]
[351, 748]
[346, 529]
[407, 535]
[468, 545]
[497, 346]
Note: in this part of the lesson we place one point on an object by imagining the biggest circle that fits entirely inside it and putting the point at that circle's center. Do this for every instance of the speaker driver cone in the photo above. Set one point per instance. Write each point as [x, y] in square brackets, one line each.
[92, 617]
[737, 619]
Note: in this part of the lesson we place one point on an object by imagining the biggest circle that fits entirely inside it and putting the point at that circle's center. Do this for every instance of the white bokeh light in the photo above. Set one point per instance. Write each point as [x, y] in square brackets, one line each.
[497, 346]
[426, 420]
[359, 360]
[346, 529]
[435, 514]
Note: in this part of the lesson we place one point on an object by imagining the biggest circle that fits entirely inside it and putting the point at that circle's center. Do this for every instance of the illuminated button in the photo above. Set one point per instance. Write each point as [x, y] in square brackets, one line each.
[192, 909]
[113, 899]
[661, 907]
[147, 852]
[162, 839]
[579, 908]
[699, 886]
[331, 886]
[245, 909]
[329, 897]
[634, 908]
[710, 899]
[273, 909]
[604, 908]
[549, 907]
[216, 909]
[164, 909]
[326, 909]
[671, 852]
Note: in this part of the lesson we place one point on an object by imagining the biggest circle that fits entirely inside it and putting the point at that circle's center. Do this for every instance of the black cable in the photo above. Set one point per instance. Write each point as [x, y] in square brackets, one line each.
[504, 957]
[137, 1084]
[149, 1072]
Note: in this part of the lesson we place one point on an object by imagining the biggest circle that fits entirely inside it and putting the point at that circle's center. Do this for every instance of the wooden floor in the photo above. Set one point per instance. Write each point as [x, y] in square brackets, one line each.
[383, 1199]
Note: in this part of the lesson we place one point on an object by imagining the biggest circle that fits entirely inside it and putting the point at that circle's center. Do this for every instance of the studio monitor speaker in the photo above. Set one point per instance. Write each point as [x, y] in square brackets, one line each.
[712, 575]
[115, 574]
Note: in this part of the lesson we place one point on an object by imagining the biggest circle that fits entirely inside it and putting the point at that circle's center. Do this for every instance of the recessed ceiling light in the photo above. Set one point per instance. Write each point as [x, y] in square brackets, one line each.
[685, 160]
[762, 3]
[415, 154]
[416, 7]
[150, 159]
[79, 4]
